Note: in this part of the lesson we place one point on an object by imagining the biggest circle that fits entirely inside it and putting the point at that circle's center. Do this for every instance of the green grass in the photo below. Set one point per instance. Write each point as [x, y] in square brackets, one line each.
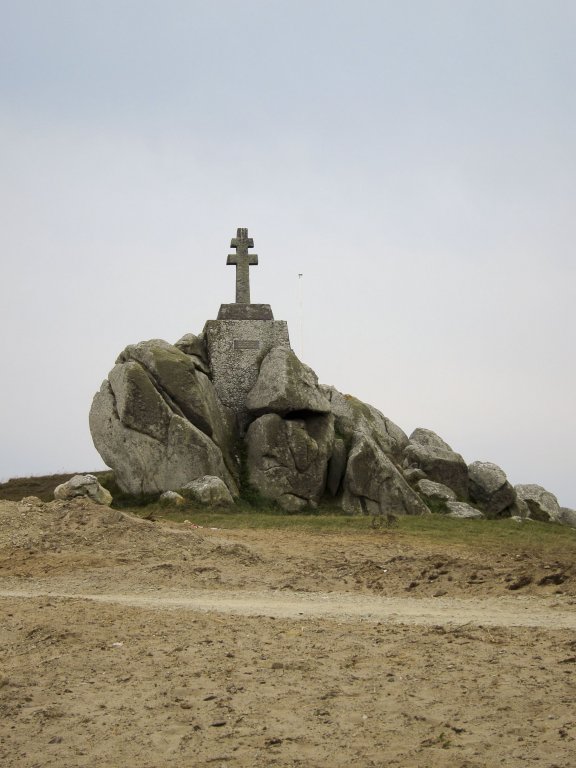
[547, 539]
[318, 523]
[502, 534]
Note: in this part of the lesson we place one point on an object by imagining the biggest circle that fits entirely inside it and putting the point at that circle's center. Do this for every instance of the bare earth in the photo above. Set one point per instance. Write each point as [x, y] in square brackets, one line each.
[130, 643]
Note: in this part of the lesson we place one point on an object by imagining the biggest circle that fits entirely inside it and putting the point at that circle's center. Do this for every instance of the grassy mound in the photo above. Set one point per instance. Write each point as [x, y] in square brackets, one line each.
[41, 486]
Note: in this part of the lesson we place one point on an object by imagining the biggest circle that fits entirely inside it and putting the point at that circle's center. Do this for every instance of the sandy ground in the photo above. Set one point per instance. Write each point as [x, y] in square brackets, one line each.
[130, 643]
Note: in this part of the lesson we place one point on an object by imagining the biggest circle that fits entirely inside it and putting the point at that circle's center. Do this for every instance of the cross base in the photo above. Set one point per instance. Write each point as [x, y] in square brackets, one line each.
[245, 312]
[236, 349]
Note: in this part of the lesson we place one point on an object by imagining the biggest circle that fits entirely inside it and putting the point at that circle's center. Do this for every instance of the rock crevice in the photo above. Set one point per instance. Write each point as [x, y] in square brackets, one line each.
[159, 422]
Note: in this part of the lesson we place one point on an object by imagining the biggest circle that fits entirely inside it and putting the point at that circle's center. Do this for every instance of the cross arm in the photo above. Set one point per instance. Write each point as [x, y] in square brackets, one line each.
[233, 259]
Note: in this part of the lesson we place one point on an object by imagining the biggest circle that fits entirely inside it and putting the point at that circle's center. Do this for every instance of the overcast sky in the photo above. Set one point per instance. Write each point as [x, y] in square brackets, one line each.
[414, 160]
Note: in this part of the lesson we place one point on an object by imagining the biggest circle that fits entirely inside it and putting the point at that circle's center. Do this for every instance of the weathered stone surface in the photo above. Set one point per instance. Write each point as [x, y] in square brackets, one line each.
[435, 491]
[158, 423]
[537, 503]
[171, 499]
[139, 404]
[290, 456]
[428, 452]
[242, 260]
[195, 347]
[209, 490]
[413, 474]
[235, 350]
[567, 516]
[245, 312]
[187, 390]
[489, 488]
[191, 344]
[285, 385]
[145, 464]
[486, 478]
[83, 485]
[374, 485]
[355, 418]
[291, 503]
[463, 511]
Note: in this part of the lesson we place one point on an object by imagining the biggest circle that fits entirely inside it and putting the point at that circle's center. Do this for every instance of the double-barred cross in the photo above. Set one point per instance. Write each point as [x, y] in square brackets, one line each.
[242, 260]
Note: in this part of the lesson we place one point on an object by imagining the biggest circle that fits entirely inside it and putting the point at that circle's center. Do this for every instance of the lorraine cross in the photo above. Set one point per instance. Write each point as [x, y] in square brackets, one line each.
[242, 260]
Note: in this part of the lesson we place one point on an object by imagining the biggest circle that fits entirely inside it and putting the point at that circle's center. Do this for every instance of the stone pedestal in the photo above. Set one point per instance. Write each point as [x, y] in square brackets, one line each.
[245, 312]
[235, 350]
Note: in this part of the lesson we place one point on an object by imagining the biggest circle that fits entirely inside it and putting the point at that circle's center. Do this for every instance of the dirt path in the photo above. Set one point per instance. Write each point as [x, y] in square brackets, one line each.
[134, 643]
[489, 612]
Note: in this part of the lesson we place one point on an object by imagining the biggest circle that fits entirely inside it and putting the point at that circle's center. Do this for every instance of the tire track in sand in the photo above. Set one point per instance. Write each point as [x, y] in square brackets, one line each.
[494, 612]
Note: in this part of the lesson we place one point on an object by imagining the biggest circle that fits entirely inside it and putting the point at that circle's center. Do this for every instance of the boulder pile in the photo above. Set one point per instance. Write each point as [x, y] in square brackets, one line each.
[158, 422]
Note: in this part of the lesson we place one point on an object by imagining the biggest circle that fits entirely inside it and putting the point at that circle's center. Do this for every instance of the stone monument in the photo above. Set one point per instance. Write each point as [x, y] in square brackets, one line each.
[242, 336]
[235, 407]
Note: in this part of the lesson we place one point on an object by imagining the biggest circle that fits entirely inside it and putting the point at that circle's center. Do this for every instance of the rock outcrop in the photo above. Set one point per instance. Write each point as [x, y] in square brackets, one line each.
[291, 438]
[158, 423]
[463, 511]
[537, 503]
[369, 477]
[209, 490]
[430, 454]
[83, 485]
[288, 458]
[171, 499]
[195, 347]
[357, 419]
[567, 517]
[234, 406]
[490, 490]
[285, 386]
[374, 485]
[435, 492]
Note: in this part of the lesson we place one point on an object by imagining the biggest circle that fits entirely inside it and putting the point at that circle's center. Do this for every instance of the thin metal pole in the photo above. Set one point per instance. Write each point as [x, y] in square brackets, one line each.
[301, 313]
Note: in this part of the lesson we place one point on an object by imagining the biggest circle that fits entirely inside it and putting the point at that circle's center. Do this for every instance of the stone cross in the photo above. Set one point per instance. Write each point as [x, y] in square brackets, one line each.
[242, 260]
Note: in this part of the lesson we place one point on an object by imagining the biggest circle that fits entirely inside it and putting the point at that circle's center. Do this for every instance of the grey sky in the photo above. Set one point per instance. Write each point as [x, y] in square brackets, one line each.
[416, 161]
